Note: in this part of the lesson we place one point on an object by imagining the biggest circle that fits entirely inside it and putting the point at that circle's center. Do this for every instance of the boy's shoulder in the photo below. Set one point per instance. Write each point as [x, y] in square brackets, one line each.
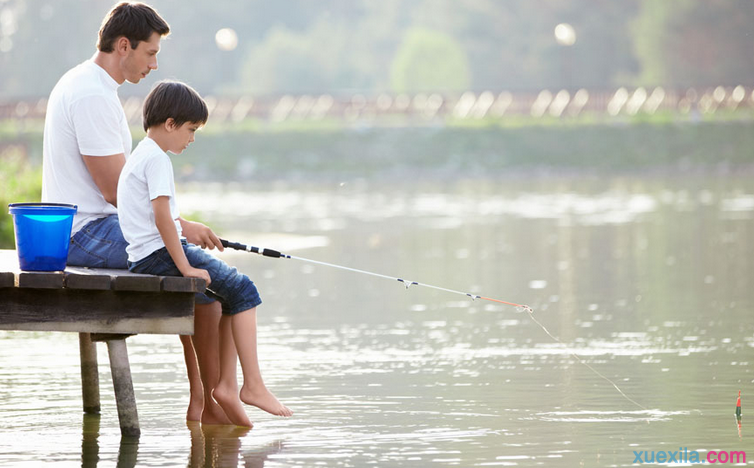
[144, 156]
[148, 148]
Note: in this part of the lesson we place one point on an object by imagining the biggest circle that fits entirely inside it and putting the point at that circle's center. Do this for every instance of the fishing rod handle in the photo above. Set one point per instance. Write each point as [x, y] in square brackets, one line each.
[251, 248]
[232, 245]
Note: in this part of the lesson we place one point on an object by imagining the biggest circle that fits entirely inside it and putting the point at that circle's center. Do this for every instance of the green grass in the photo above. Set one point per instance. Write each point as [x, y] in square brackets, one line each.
[19, 182]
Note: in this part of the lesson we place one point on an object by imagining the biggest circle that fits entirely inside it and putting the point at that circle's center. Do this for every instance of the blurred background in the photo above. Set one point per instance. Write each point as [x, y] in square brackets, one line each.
[590, 158]
[400, 89]
[254, 47]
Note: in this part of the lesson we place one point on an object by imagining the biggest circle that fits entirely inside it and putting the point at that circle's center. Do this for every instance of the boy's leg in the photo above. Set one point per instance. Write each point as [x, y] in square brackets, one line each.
[254, 392]
[196, 400]
[100, 244]
[226, 391]
[206, 342]
[240, 296]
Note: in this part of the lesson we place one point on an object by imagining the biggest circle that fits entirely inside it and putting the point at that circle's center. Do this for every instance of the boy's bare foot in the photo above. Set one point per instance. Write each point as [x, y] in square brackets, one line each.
[228, 401]
[264, 400]
[214, 414]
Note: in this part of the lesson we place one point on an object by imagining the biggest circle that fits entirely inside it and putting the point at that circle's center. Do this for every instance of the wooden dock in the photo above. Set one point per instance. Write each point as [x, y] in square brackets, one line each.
[102, 306]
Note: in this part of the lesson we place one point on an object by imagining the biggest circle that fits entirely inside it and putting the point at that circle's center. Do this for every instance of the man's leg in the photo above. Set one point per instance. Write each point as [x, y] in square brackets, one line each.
[206, 341]
[196, 399]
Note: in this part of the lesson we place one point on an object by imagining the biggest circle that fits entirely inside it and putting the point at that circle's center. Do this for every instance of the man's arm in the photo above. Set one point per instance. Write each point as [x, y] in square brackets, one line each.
[105, 171]
[164, 222]
[199, 234]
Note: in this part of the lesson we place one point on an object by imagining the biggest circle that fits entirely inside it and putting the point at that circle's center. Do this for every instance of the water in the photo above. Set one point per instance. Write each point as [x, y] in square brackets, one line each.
[646, 280]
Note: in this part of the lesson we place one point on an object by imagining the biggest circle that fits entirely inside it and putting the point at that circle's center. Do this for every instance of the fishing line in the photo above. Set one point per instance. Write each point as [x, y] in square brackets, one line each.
[276, 254]
[576, 356]
[407, 283]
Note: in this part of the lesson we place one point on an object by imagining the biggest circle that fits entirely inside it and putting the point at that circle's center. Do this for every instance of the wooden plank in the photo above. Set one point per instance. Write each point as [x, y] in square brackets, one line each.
[136, 283]
[7, 279]
[77, 277]
[40, 279]
[151, 326]
[182, 284]
[98, 282]
[97, 311]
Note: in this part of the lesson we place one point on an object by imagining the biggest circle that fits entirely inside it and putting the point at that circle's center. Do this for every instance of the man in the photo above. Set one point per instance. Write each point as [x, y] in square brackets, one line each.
[86, 143]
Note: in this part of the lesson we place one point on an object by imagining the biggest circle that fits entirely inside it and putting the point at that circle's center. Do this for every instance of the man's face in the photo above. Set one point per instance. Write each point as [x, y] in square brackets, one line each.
[140, 61]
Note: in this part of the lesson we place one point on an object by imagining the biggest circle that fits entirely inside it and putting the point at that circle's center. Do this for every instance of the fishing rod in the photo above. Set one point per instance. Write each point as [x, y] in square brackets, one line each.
[276, 254]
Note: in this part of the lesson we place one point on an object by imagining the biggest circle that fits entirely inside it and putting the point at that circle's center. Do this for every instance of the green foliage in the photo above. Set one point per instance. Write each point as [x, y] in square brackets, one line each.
[19, 182]
[429, 60]
[694, 42]
[332, 53]
[331, 46]
[297, 63]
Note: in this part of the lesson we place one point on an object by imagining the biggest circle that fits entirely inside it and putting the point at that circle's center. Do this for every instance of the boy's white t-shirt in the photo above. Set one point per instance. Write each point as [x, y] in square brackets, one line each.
[84, 116]
[148, 174]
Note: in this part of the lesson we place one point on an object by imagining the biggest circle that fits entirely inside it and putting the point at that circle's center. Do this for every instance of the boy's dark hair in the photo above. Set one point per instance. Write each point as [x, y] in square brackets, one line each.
[172, 99]
[136, 21]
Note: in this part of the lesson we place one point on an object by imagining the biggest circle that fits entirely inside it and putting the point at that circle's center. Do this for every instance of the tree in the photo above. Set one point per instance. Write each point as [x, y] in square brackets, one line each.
[429, 60]
[695, 42]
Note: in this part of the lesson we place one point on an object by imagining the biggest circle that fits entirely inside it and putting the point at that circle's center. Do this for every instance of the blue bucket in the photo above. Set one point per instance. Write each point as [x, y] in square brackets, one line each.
[43, 234]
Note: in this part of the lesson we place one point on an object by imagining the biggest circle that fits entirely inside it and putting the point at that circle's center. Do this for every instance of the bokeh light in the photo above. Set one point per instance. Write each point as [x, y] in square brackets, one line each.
[565, 34]
[226, 39]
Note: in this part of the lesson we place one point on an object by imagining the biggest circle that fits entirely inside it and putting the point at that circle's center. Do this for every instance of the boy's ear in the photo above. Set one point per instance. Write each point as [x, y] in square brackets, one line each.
[170, 124]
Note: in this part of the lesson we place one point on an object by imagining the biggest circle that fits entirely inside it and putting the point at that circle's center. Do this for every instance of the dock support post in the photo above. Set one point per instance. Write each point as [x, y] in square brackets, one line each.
[124, 388]
[89, 374]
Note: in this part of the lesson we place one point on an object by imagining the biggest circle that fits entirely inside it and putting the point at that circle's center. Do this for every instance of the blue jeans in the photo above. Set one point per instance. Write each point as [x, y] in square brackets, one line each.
[100, 244]
[235, 291]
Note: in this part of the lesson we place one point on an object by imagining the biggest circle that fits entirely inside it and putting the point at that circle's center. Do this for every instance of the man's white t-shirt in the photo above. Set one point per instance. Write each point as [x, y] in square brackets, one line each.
[84, 116]
[148, 174]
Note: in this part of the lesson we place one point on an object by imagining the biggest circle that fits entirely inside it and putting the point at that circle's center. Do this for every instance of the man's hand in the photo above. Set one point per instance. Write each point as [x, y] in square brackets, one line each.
[201, 235]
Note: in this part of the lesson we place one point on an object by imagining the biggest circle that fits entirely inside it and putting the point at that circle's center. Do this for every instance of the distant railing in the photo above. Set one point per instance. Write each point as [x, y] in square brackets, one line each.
[429, 106]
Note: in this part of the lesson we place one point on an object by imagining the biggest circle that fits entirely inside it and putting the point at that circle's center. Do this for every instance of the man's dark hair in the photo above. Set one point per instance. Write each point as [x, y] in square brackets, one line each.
[172, 99]
[136, 21]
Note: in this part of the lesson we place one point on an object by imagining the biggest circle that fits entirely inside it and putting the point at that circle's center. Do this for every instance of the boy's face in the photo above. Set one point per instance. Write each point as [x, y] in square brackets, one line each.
[181, 136]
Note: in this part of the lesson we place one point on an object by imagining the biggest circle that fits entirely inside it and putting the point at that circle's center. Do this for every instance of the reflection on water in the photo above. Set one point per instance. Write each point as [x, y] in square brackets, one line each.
[220, 446]
[646, 281]
[90, 453]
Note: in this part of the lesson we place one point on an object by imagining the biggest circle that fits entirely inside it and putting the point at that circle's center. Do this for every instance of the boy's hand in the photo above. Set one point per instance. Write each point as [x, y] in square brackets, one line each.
[201, 235]
[192, 272]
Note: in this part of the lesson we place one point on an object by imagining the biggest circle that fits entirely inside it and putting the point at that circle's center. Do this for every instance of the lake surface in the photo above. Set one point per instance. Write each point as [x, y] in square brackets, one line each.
[646, 280]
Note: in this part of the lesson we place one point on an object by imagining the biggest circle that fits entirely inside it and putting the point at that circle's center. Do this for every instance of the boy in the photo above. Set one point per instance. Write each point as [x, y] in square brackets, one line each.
[149, 219]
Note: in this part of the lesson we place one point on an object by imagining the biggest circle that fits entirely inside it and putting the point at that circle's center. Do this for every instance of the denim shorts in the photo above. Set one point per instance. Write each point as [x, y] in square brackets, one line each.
[235, 291]
[100, 244]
